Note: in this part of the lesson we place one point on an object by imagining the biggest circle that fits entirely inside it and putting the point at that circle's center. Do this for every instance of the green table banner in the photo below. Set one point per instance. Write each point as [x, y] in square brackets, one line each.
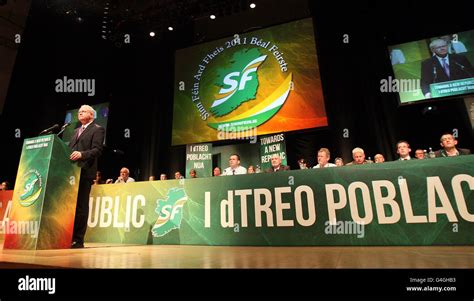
[419, 202]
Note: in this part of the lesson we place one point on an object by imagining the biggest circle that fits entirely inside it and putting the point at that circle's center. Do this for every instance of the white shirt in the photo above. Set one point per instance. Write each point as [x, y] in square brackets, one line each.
[327, 165]
[129, 180]
[238, 171]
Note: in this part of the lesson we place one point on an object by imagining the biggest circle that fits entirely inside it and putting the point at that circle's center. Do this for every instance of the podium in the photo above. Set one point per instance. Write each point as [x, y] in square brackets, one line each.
[45, 195]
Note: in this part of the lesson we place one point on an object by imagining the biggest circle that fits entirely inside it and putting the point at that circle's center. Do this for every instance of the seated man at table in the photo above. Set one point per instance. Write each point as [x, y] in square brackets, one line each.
[323, 159]
[234, 167]
[276, 164]
[403, 150]
[358, 155]
[449, 149]
[124, 176]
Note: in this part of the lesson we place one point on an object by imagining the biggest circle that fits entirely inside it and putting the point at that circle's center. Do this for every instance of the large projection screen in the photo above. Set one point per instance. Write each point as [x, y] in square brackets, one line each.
[256, 83]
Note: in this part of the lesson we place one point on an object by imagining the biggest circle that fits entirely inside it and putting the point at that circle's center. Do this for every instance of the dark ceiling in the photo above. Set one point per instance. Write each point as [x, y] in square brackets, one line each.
[114, 18]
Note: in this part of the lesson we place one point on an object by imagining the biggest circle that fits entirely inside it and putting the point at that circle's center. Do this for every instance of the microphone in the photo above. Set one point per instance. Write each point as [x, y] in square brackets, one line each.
[435, 74]
[63, 128]
[463, 69]
[50, 130]
[118, 152]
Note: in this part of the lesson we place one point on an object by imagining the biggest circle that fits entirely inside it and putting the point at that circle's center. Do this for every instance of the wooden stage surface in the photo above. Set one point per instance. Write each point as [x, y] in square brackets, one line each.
[181, 256]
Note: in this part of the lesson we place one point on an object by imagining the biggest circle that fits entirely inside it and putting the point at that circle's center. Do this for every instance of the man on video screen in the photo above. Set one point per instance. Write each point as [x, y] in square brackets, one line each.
[443, 67]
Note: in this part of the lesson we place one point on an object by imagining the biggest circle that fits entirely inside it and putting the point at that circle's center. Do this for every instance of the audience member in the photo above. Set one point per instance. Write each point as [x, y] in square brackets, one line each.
[448, 144]
[403, 150]
[379, 158]
[420, 154]
[358, 157]
[234, 166]
[339, 162]
[302, 164]
[98, 178]
[124, 176]
[4, 186]
[276, 164]
[323, 159]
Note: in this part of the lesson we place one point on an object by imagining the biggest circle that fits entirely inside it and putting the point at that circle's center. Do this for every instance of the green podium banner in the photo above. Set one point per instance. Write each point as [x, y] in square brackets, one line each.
[44, 199]
[455, 87]
[418, 202]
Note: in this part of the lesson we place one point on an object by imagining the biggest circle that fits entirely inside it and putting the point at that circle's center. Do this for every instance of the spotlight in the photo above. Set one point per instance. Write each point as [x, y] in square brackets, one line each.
[212, 17]
[152, 34]
[429, 110]
[170, 28]
[252, 5]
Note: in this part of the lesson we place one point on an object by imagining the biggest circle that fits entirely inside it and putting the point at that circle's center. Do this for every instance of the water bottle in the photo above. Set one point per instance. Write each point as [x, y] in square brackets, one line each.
[431, 153]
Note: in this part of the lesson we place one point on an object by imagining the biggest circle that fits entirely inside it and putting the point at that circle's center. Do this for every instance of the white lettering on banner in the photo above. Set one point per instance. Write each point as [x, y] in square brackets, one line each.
[408, 209]
[262, 206]
[380, 201]
[332, 206]
[435, 187]
[365, 199]
[388, 200]
[243, 204]
[100, 212]
[280, 206]
[227, 211]
[459, 196]
[435, 190]
[299, 206]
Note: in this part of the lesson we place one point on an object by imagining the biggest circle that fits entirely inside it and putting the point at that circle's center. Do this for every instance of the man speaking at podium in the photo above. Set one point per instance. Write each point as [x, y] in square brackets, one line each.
[86, 143]
[443, 67]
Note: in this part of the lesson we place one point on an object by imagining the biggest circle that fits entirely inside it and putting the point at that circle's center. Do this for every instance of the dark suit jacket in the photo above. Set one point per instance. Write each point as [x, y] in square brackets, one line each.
[433, 72]
[282, 168]
[442, 153]
[90, 144]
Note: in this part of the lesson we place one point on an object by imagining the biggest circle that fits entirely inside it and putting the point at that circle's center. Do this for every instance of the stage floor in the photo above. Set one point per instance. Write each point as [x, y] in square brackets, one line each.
[180, 256]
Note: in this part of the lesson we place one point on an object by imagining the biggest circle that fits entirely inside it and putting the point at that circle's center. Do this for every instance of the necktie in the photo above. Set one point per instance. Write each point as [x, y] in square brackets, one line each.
[80, 131]
[445, 67]
[233, 171]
